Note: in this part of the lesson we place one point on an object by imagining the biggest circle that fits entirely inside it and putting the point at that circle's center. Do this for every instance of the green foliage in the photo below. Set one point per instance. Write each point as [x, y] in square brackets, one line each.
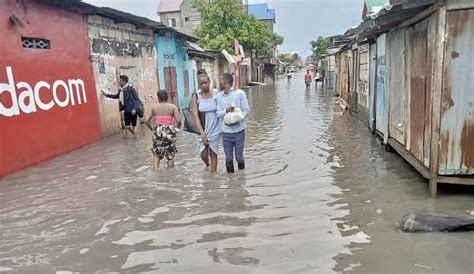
[287, 59]
[226, 20]
[319, 48]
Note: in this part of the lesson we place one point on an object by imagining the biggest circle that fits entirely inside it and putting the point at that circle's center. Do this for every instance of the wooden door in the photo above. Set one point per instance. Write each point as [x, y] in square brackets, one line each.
[381, 107]
[372, 82]
[171, 85]
[186, 83]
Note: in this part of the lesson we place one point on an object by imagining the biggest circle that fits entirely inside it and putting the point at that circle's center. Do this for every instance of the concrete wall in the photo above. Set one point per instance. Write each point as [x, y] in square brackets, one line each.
[211, 66]
[172, 52]
[121, 49]
[363, 81]
[48, 103]
[175, 15]
[187, 19]
[190, 17]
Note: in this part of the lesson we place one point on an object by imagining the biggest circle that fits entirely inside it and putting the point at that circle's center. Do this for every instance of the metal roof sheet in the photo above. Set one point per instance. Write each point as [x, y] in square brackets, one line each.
[117, 15]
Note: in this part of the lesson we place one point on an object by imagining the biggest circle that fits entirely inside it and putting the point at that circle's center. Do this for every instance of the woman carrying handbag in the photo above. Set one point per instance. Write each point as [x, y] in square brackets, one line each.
[204, 101]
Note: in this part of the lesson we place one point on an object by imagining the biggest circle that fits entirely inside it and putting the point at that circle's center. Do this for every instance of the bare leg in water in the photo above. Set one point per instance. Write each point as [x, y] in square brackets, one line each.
[213, 157]
[205, 156]
[133, 131]
[156, 163]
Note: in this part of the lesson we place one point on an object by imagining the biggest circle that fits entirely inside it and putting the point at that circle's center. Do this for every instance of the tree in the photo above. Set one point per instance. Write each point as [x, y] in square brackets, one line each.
[226, 20]
[287, 59]
[319, 48]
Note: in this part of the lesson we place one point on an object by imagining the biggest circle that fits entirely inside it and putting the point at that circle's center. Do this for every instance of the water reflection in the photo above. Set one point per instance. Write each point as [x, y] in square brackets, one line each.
[307, 202]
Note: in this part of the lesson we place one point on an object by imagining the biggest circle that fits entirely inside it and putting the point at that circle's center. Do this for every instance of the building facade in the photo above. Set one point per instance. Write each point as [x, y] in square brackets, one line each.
[176, 69]
[48, 97]
[179, 14]
[121, 49]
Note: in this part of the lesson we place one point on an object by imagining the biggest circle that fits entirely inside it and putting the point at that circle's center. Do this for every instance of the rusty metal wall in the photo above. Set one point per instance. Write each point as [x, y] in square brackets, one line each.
[459, 4]
[338, 73]
[354, 75]
[372, 84]
[346, 64]
[381, 88]
[363, 82]
[420, 48]
[397, 91]
[457, 113]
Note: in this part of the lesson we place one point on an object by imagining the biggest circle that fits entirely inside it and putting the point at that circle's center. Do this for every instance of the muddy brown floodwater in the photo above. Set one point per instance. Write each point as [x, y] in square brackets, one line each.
[320, 195]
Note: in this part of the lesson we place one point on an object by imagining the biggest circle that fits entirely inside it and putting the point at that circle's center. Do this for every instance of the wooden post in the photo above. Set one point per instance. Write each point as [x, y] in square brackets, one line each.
[437, 92]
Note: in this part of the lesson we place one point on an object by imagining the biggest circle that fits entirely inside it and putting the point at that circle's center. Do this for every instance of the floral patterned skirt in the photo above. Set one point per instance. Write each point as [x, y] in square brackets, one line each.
[164, 142]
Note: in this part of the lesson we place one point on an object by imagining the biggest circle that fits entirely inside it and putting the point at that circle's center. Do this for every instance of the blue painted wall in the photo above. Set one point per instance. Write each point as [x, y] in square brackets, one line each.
[172, 52]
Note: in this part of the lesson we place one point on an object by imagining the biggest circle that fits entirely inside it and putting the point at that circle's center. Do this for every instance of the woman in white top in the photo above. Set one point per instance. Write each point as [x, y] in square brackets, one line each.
[204, 106]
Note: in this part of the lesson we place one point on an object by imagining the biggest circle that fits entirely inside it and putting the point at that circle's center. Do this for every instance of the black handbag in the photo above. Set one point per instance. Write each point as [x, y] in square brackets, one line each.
[189, 124]
[141, 111]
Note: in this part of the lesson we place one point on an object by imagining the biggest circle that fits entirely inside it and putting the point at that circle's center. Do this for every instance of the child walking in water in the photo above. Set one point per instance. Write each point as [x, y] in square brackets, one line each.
[165, 128]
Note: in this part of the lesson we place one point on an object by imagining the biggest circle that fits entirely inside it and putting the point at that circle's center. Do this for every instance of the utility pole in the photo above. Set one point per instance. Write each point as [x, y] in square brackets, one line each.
[247, 6]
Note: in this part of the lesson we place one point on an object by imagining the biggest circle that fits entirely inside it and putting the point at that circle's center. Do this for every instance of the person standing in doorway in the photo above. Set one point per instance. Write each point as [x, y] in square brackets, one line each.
[132, 105]
[230, 100]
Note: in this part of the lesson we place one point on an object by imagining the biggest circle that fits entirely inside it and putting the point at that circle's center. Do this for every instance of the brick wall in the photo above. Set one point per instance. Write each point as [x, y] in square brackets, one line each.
[121, 48]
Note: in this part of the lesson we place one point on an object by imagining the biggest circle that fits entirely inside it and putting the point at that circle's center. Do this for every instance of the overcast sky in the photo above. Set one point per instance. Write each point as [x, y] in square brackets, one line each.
[299, 21]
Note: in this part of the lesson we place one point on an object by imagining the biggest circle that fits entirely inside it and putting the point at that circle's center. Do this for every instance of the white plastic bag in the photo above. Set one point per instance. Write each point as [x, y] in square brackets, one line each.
[232, 118]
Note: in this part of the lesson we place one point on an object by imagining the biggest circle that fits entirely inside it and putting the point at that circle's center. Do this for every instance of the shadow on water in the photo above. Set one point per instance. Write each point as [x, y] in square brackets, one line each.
[308, 202]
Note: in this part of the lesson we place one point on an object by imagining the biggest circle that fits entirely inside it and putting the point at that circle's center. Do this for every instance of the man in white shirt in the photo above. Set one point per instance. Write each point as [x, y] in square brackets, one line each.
[233, 136]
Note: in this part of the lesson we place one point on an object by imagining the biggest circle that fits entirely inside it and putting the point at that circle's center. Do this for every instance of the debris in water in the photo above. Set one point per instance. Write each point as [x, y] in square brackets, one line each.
[142, 168]
[84, 251]
[145, 220]
[424, 266]
[106, 227]
[379, 211]
[368, 201]
[415, 222]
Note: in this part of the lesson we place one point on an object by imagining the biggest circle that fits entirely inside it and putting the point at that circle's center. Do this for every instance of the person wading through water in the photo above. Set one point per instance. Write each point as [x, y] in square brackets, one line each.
[233, 136]
[165, 126]
[132, 105]
[204, 101]
[308, 79]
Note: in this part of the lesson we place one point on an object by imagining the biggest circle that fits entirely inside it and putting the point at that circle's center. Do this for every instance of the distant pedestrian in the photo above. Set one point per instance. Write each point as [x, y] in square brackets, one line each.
[204, 106]
[308, 79]
[165, 126]
[317, 78]
[232, 100]
[129, 102]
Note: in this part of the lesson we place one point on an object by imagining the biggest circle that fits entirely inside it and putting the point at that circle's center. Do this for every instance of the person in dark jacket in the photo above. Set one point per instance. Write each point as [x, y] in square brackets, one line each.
[130, 104]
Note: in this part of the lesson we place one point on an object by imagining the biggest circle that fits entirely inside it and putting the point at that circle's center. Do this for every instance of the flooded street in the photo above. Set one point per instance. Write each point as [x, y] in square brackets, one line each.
[320, 195]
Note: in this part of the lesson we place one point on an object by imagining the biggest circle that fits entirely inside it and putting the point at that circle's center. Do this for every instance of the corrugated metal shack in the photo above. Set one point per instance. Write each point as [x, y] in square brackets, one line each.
[420, 97]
